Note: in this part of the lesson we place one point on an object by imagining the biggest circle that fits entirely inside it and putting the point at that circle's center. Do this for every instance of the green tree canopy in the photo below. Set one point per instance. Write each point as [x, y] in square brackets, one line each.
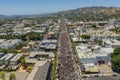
[22, 60]
[12, 76]
[116, 59]
[85, 36]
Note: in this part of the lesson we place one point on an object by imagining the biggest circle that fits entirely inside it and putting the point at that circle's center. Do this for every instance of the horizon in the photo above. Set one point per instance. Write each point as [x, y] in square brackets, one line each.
[59, 11]
[21, 7]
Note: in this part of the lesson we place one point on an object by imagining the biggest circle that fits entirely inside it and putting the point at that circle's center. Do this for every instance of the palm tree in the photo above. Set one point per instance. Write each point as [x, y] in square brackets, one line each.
[12, 76]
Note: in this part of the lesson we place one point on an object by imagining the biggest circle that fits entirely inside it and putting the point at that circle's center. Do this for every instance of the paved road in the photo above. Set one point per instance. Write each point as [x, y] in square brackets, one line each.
[67, 65]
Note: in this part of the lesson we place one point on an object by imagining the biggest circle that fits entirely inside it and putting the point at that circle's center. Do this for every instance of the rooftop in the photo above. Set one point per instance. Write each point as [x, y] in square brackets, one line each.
[32, 54]
[16, 57]
[112, 42]
[84, 52]
[40, 71]
[7, 56]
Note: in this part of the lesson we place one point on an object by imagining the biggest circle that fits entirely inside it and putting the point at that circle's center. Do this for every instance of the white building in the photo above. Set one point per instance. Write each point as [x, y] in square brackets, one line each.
[100, 56]
[85, 55]
[103, 34]
[111, 43]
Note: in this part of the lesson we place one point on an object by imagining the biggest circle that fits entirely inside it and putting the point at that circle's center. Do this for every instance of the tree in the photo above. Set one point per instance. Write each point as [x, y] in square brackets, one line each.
[12, 76]
[116, 60]
[3, 50]
[85, 36]
[22, 61]
[117, 51]
[29, 68]
[2, 74]
[94, 26]
[20, 45]
[31, 36]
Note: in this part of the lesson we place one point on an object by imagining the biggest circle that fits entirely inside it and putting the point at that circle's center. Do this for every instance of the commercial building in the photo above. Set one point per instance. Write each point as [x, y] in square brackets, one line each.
[48, 45]
[97, 56]
[103, 33]
[110, 43]
[85, 55]
[5, 60]
[15, 61]
[41, 71]
[42, 54]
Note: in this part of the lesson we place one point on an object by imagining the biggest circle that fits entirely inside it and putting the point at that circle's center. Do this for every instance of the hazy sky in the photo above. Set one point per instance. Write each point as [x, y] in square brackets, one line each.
[15, 7]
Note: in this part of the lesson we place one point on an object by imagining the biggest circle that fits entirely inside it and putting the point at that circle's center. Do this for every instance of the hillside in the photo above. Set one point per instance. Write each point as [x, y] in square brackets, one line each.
[91, 13]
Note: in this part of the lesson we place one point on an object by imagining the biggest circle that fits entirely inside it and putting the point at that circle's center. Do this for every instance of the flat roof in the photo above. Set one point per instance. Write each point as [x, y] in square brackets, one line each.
[84, 52]
[51, 46]
[32, 54]
[106, 50]
[100, 54]
[112, 42]
[7, 56]
[40, 71]
[16, 57]
[49, 41]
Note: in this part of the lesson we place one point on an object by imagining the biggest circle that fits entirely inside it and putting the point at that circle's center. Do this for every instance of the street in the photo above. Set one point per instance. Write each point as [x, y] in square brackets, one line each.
[67, 66]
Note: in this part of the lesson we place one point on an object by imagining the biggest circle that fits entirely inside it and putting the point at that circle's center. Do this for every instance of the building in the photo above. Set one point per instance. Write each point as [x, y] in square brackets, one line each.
[102, 58]
[51, 47]
[10, 43]
[39, 31]
[41, 71]
[5, 60]
[26, 50]
[1, 61]
[110, 43]
[85, 55]
[99, 35]
[48, 45]
[45, 55]
[107, 55]
[2, 54]
[51, 35]
[96, 56]
[15, 61]
[75, 39]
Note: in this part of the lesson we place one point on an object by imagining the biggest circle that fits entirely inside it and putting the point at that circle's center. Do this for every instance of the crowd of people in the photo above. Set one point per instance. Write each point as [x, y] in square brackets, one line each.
[66, 70]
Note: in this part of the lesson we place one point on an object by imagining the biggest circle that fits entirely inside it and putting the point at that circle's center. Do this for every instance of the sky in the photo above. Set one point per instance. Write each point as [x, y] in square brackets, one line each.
[29, 7]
